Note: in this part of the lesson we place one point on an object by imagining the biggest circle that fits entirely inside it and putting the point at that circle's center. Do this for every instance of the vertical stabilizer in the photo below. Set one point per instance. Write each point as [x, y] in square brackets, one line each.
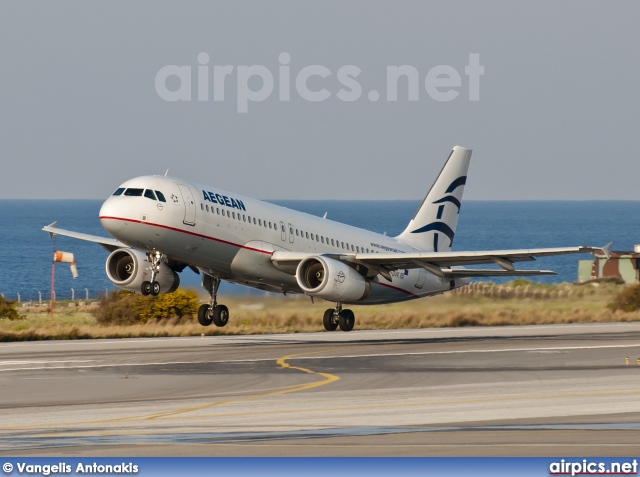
[434, 224]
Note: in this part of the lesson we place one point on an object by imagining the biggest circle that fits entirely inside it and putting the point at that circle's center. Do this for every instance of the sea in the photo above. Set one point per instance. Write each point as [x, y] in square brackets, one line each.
[26, 251]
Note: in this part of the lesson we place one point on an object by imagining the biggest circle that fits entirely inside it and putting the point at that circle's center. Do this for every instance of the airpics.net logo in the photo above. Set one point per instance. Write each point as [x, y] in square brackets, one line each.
[313, 83]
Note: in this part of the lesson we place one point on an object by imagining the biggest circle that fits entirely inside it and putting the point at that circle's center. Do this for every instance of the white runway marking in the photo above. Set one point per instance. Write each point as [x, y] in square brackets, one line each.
[367, 355]
[469, 351]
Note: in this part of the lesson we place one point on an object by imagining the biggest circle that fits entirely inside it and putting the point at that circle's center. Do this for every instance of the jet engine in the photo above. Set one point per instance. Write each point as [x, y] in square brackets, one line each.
[331, 279]
[128, 268]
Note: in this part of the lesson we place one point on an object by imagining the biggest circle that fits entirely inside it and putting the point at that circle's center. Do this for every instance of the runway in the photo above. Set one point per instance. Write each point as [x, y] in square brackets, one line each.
[563, 390]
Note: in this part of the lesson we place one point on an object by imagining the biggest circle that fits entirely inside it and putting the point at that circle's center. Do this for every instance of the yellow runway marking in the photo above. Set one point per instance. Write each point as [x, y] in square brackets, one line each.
[282, 362]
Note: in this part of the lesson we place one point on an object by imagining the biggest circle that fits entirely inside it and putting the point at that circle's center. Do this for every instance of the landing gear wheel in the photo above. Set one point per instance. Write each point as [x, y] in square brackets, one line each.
[329, 321]
[220, 315]
[346, 320]
[155, 288]
[145, 289]
[203, 315]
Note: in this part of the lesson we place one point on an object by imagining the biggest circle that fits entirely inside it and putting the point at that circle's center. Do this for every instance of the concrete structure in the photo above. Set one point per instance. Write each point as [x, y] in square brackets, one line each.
[624, 265]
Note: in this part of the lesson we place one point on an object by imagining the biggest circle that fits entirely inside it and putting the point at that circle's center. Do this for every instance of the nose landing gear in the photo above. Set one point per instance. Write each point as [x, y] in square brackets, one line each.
[152, 287]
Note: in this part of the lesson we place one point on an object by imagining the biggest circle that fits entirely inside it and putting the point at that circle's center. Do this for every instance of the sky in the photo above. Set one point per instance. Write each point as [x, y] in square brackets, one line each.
[95, 93]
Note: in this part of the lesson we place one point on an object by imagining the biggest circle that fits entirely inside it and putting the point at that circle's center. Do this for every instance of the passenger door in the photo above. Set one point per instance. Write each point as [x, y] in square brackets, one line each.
[189, 204]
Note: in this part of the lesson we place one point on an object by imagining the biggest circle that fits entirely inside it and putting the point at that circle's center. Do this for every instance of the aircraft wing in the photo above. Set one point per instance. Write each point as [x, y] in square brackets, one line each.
[110, 244]
[441, 263]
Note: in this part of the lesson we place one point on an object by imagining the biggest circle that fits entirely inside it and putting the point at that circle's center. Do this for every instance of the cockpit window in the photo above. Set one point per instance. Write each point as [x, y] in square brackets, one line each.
[160, 196]
[119, 191]
[134, 192]
[149, 194]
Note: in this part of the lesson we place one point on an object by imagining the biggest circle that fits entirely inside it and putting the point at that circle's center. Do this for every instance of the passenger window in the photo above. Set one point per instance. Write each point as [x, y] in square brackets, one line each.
[322, 239]
[160, 196]
[201, 207]
[342, 244]
[297, 233]
[244, 217]
[254, 221]
[260, 222]
[352, 248]
[249, 217]
[233, 214]
[207, 207]
[357, 249]
[332, 244]
[119, 191]
[307, 234]
[134, 192]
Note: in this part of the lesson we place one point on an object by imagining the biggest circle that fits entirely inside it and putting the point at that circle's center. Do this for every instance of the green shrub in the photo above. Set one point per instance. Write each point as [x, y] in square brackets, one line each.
[627, 300]
[126, 308]
[8, 309]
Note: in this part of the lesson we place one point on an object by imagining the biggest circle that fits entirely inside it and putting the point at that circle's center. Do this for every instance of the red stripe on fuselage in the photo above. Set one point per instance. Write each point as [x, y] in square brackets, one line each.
[399, 289]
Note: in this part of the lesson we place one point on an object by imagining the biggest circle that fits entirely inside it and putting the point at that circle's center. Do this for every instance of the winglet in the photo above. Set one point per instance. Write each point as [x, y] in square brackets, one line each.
[53, 224]
[607, 250]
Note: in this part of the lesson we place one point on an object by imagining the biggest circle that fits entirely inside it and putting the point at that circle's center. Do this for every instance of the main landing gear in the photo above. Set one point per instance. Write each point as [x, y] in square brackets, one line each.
[345, 319]
[212, 312]
[152, 287]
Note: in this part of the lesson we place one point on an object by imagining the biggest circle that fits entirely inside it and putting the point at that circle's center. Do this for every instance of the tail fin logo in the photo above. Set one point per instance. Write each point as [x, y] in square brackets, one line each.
[438, 225]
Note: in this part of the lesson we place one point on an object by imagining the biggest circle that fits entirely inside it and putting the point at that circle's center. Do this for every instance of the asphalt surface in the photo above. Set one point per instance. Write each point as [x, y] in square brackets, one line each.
[563, 390]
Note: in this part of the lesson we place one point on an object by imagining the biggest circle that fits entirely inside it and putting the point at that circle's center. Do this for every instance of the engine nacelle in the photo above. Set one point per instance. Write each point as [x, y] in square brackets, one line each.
[330, 279]
[128, 268]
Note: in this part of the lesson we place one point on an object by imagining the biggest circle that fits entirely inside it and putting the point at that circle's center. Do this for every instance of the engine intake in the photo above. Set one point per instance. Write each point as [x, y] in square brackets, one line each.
[128, 268]
[331, 280]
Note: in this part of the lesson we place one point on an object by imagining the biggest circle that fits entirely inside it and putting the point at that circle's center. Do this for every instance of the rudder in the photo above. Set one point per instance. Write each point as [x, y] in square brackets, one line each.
[434, 224]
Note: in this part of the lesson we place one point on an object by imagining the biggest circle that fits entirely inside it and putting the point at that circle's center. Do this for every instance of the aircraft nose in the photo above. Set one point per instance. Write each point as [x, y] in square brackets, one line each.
[111, 217]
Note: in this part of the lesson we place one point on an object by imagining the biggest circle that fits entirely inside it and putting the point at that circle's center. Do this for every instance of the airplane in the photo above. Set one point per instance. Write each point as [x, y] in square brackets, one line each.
[161, 225]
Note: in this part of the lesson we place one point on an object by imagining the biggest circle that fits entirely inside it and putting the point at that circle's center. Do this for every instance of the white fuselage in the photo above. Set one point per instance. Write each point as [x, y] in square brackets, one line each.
[233, 236]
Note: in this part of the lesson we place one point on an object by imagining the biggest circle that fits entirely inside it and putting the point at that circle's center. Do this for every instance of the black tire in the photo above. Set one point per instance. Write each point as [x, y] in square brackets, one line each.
[155, 288]
[145, 289]
[203, 315]
[328, 320]
[346, 320]
[220, 315]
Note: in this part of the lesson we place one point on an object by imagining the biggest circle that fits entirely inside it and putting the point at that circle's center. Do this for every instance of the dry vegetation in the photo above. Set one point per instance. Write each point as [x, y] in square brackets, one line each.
[517, 303]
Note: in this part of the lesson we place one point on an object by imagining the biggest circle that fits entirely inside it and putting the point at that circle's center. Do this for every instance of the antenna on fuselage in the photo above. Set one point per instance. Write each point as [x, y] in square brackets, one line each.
[325, 215]
[166, 173]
